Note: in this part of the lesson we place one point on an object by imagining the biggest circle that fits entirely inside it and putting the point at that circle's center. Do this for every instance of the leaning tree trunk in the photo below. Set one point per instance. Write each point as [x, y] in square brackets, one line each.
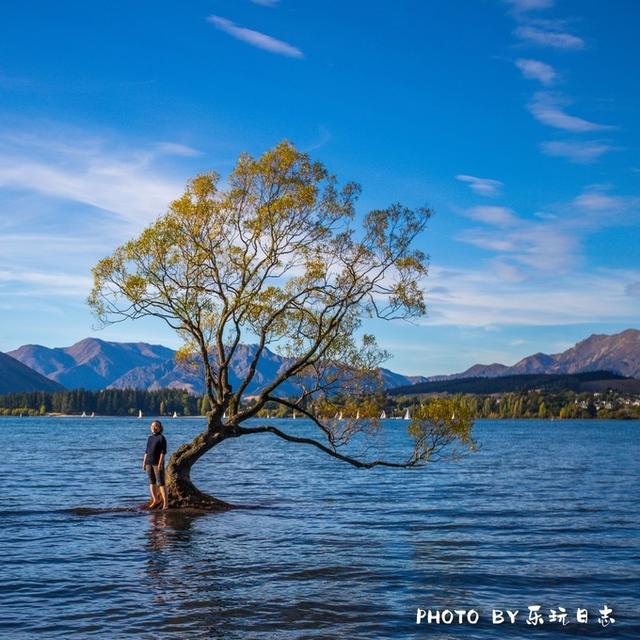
[182, 493]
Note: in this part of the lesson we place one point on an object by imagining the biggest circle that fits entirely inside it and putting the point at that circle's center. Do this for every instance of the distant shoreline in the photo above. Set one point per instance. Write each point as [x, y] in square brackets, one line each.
[157, 417]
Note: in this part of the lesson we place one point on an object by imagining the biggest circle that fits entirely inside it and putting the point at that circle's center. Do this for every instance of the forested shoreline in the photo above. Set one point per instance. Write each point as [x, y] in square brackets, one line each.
[166, 402]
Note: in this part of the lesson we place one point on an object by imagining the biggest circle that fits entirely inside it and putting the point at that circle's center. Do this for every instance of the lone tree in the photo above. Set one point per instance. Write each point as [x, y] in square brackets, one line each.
[278, 257]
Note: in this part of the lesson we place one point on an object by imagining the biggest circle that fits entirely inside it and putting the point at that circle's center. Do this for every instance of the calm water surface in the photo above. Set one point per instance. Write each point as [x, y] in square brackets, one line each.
[545, 513]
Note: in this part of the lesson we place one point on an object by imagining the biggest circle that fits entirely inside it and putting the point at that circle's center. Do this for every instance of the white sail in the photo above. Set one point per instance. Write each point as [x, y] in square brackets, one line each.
[407, 415]
[383, 415]
[294, 415]
[340, 416]
[93, 414]
[175, 415]
[139, 413]
[358, 416]
[84, 414]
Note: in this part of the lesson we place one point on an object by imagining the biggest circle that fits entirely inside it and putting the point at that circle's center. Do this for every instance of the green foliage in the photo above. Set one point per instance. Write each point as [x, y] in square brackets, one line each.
[112, 402]
[275, 253]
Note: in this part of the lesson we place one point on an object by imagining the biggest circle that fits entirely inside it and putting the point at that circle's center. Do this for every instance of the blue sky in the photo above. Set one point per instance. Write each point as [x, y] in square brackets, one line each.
[517, 121]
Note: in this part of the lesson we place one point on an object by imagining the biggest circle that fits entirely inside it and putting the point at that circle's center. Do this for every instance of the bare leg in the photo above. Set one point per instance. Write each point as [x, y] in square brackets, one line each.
[163, 493]
[153, 490]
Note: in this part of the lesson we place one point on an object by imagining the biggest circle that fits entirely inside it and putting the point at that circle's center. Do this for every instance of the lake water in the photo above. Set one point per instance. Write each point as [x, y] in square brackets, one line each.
[545, 513]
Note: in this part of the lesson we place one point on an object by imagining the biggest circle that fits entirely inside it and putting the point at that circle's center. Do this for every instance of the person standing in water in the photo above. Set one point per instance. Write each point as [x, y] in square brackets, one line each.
[153, 464]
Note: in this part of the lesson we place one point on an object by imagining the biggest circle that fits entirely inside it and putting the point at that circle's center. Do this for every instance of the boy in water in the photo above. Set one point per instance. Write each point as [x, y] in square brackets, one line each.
[153, 464]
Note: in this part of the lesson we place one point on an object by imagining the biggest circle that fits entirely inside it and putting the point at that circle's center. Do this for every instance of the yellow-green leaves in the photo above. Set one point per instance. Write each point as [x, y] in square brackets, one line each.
[274, 256]
[442, 427]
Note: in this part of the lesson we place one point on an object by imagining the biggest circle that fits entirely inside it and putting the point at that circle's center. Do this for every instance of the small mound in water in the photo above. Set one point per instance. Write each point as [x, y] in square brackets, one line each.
[95, 511]
[143, 509]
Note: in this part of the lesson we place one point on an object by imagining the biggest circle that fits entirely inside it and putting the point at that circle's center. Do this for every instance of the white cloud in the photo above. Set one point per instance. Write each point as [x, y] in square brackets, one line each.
[576, 151]
[498, 216]
[546, 38]
[530, 5]
[481, 297]
[177, 149]
[536, 70]
[53, 283]
[547, 109]
[481, 186]
[255, 38]
[266, 3]
[89, 172]
[506, 271]
[549, 244]
[597, 201]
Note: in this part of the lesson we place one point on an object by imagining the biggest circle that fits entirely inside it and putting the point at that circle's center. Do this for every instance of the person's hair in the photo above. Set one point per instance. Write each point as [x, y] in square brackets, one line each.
[159, 425]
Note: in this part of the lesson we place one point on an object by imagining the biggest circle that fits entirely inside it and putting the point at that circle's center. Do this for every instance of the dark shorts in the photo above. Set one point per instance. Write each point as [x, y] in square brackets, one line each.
[156, 475]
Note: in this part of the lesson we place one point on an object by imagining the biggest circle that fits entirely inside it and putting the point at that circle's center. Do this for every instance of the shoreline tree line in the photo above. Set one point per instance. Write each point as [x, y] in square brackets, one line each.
[165, 402]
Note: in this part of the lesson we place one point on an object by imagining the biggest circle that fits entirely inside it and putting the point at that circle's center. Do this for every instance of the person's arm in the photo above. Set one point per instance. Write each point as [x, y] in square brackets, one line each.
[163, 452]
[144, 460]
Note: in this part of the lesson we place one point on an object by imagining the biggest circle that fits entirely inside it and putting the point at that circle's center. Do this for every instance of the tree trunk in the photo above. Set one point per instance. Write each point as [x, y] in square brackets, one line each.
[182, 493]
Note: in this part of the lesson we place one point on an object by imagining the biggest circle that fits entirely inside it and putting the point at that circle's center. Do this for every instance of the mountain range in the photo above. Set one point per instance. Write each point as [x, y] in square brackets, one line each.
[97, 364]
[618, 353]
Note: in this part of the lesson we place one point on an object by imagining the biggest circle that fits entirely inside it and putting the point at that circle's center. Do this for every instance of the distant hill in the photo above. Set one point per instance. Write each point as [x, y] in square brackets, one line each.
[96, 364]
[15, 376]
[618, 353]
[90, 363]
[587, 381]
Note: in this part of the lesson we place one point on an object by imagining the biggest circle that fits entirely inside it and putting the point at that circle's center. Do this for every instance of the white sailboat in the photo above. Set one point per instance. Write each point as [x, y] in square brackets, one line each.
[358, 415]
[175, 415]
[383, 415]
[139, 413]
[294, 415]
[84, 414]
[407, 414]
[340, 416]
[93, 414]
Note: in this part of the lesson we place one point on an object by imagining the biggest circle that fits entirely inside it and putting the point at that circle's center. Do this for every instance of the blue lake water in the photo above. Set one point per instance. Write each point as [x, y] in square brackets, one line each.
[545, 513]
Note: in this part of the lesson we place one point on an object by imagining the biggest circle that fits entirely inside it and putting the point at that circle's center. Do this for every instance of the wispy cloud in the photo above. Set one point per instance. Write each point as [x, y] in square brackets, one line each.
[499, 216]
[548, 38]
[59, 283]
[530, 5]
[255, 38]
[266, 3]
[536, 70]
[481, 186]
[550, 243]
[85, 170]
[575, 150]
[547, 109]
[177, 149]
[481, 298]
[595, 200]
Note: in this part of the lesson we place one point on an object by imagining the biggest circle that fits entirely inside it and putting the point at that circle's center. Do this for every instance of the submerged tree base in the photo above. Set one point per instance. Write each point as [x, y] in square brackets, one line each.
[200, 501]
